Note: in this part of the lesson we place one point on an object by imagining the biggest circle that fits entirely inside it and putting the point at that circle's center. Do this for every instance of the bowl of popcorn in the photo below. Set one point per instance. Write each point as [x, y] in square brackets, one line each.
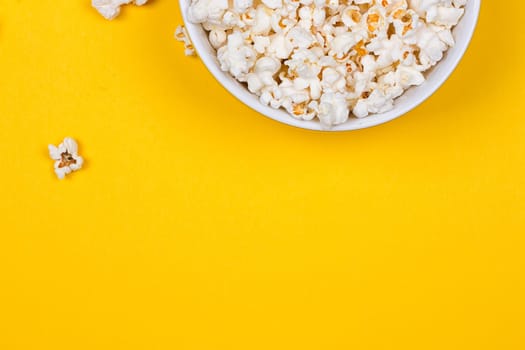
[331, 64]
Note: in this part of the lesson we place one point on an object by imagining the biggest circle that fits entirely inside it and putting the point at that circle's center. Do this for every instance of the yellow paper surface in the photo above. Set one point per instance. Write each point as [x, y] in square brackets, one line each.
[200, 224]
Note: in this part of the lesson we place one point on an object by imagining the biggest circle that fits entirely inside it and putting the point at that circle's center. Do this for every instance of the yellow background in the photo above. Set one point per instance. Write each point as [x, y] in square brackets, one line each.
[199, 224]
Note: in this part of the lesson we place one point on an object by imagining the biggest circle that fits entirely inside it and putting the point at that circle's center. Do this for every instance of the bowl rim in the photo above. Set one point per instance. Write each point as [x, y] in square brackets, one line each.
[282, 116]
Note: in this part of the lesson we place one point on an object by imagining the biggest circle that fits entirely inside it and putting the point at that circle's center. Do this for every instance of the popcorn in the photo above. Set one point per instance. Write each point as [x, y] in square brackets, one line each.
[333, 109]
[66, 157]
[329, 59]
[273, 4]
[207, 10]
[237, 57]
[182, 35]
[217, 38]
[111, 8]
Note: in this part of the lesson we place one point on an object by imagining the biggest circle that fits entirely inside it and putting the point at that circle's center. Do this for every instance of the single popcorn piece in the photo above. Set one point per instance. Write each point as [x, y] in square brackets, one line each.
[328, 59]
[66, 157]
[182, 35]
[110, 9]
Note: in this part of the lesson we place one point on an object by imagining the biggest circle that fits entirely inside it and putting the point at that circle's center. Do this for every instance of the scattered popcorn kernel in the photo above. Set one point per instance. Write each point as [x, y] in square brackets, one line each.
[110, 9]
[182, 35]
[66, 157]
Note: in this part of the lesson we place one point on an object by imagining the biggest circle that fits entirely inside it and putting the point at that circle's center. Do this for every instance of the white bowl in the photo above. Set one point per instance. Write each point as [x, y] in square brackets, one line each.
[410, 99]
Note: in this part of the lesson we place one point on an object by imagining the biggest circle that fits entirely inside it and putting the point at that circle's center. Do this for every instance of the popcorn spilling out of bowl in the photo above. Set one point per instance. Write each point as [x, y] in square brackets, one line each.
[182, 35]
[66, 157]
[328, 59]
[110, 9]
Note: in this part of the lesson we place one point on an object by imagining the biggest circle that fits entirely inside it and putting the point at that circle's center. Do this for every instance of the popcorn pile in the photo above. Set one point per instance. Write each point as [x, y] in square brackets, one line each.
[111, 8]
[328, 58]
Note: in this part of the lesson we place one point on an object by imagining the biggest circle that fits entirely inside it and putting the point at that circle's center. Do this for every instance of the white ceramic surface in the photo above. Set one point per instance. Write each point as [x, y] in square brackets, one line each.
[410, 99]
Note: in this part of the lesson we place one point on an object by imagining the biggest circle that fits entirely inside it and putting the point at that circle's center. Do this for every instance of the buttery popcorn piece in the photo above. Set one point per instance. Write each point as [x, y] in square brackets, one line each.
[110, 9]
[66, 157]
[182, 35]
